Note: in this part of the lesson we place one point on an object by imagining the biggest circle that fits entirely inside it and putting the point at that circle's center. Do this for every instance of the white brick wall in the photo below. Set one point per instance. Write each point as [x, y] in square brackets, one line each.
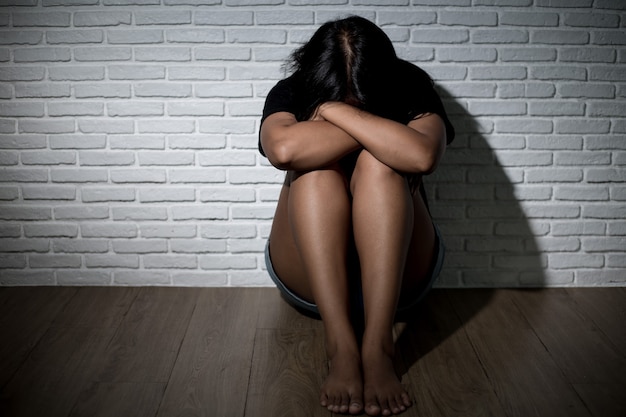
[129, 131]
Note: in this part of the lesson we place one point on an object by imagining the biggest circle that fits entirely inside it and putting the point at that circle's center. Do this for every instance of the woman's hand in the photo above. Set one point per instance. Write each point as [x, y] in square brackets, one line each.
[413, 148]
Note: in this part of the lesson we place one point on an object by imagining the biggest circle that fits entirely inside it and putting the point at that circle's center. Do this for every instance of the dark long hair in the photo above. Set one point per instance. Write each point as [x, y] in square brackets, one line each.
[351, 60]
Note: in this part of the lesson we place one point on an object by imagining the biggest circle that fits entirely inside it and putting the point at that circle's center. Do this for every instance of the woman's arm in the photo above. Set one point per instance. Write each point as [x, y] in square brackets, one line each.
[301, 146]
[413, 148]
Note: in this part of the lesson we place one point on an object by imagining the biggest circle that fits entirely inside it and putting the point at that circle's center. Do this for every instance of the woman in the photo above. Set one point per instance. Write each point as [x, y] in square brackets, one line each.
[355, 128]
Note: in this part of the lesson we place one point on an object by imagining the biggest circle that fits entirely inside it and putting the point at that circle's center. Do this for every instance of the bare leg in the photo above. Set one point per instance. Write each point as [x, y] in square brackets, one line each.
[383, 220]
[309, 243]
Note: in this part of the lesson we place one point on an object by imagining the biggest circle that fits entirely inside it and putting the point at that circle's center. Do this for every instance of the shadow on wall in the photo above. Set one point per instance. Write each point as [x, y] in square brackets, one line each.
[490, 241]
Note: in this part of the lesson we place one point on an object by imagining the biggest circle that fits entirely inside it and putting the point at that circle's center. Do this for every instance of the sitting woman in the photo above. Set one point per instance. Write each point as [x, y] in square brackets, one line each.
[356, 128]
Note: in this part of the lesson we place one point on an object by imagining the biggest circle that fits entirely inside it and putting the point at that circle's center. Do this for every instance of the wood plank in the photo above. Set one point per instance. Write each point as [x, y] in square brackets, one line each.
[278, 314]
[97, 307]
[445, 374]
[525, 377]
[288, 369]
[606, 307]
[55, 373]
[555, 319]
[604, 400]
[210, 377]
[147, 342]
[25, 315]
[57, 370]
[115, 399]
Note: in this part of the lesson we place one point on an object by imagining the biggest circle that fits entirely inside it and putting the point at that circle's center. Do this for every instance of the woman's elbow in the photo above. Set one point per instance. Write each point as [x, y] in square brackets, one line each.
[279, 155]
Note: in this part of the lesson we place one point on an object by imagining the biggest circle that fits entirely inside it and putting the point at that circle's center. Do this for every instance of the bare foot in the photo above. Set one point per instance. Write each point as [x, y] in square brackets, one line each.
[384, 395]
[342, 392]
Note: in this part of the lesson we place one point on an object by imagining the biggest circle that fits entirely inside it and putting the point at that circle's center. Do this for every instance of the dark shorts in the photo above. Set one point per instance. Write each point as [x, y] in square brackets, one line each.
[296, 301]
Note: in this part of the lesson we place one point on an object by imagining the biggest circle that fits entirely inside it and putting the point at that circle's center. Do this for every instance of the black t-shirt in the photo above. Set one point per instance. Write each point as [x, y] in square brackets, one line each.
[418, 86]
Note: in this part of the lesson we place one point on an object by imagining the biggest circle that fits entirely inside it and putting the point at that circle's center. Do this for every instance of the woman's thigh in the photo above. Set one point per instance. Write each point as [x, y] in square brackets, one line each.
[284, 252]
[423, 250]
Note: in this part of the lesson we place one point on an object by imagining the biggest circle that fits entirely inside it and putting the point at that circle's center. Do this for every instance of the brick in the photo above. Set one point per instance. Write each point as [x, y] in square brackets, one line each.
[604, 244]
[222, 54]
[228, 231]
[586, 90]
[268, 36]
[405, 18]
[83, 278]
[138, 175]
[599, 175]
[607, 73]
[141, 278]
[195, 36]
[222, 194]
[200, 279]
[75, 73]
[556, 108]
[499, 36]
[58, 109]
[500, 108]
[110, 126]
[99, 195]
[133, 109]
[197, 142]
[166, 126]
[12, 261]
[166, 158]
[46, 126]
[439, 36]
[81, 213]
[112, 261]
[74, 36]
[139, 213]
[527, 54]
[20, 37]
[570, 261]
[199, 73]
[102, 18]
[137, 142]
[104, 90]
[136, 72]
[168, 231]
[466, 55]
[521, 18]
[582, 158]
[102, 158]
[28, 278]
[608, 38]
[178, 194]
[114, 53]
[80, 245]
[30, 175]
[77, 142]
[547, 175]
[41, 19]
[170, 262]
[587, 55]
[40, 90]
[140, 246]
[9, 194]
[21, 73]
[197, 246]
[582, 126]
[581, 193]
[558, 73]
[223, 18]
[131, 36]
[199, 213]
[156, 17]
[54, 261]
[501, 72]
[50, 230]
[195, 109]
[48, 193]
[226, 126]
[108, 230]
[72, 175]
[606, 109]
[594, 20]
[285, 17]
[17, 109]
[604, 211]
[560, 142]
[163, 90]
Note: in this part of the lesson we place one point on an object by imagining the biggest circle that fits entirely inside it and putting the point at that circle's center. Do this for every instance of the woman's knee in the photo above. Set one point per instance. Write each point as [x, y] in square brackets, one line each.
[370, 170]
[325, 178]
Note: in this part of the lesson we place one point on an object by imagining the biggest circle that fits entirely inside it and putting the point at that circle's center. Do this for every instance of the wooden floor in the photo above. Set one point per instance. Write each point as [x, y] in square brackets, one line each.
[222, 352]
